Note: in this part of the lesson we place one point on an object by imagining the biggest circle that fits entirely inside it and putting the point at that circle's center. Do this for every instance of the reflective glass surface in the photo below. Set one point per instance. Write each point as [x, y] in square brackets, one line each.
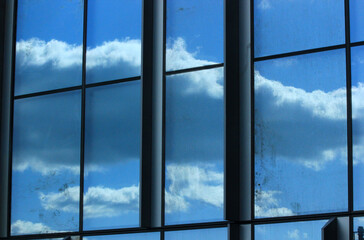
[48, 45]
[112, 156]
[356, 20]
[113, 39]
[135, 236]
[301, 135]
[200, 234]
[194, 147]
[282, 26]
[288, 231]
[46, 153]
[358, 227]
[357, 91]
[194, 33]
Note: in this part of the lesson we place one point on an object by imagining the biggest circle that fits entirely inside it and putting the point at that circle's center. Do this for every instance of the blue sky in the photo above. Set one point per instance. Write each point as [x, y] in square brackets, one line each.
[301, 163]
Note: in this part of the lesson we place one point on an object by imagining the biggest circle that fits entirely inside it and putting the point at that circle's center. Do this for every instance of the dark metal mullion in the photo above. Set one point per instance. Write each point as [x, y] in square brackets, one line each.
[193, 69]
[354, 44]
[83, 106]
[163, 220]
[252, 99]
[15, 13]
[301, 52]
[349, 118]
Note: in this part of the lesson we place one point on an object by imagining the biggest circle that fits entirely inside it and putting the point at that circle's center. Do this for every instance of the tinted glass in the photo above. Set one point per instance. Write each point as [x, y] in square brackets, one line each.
[300, 135]
[283, 26]
[194, 147]
[358, 227]
[356, 20]
[136, 236]
[49, 45]
[357, 90]
[113, 39]
[194, 33]
[46, 152]
[112, 153]
[200, 234]
[288, 231]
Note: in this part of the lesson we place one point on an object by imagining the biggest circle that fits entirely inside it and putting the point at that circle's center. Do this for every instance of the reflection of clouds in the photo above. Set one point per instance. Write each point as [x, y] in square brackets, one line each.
[267, 205]
[264, 4]
[26, 227]
[98, 201]
[293, 124]
[189, 182]
[297, 234]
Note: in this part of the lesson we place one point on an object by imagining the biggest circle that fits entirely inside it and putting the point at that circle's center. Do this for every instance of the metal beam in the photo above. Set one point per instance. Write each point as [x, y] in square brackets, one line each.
[152, 114]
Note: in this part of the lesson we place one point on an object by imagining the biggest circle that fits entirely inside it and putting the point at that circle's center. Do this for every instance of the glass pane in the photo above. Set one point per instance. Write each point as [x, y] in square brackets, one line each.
[288, 231]
[113, 39]
[112, 153]
[356, 20]
[357, 90]
[49, 45]
[358, 225]
[300, 135]
[199, 234]
[135, 236]
[284, 26]
[194, 147]
[194, 33]
[46, 152]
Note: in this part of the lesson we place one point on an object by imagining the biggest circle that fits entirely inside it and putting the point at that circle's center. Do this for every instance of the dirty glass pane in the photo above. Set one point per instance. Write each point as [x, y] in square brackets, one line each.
[282, 26]
[194, 33]
[300, 135]
[46, 152]
[357, 91]
[134, 236]
[112, 156]
[113, 39]
[288, 231]
[194, 147]
[199, 234]
[356, 20]
[48, 45]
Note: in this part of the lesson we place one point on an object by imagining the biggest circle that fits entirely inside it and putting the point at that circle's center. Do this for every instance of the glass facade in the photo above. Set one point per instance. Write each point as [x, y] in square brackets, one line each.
[82, 75]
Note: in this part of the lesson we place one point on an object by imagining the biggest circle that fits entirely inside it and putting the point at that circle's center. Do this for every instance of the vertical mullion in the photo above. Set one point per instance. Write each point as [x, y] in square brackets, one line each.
[164, 114]
[152, 114]
[83, 103]
[252, 100]
[349, 117]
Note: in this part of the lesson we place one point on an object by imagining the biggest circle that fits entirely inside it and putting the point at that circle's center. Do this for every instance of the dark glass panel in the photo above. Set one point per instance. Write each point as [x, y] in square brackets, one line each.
[46, 165]
[112, 153]
[301, 135]
[194, 147]
[49, 45]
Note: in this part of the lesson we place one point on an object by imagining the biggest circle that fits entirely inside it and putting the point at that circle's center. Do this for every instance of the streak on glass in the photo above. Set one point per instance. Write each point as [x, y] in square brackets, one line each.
[357, 91]
[194, 33]
[356, 20]
[113, 39]
[194, 147]
[134, 236]
[288, 231]
[48, 45]
[46, 151]
[199, 234]
[112, 156]
[282, 26]
[301, 135]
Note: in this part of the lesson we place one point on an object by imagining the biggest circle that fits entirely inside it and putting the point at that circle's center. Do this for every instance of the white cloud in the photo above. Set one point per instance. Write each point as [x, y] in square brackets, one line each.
[98, 201]
[26, 227]
[264, 4]
[294, 234]
[189, 182]
[267, 205]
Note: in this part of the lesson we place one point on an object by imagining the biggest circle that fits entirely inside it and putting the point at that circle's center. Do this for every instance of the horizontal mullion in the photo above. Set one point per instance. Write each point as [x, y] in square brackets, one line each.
[68, 89]
[355, 44]
[301, 52]
[124, 231]
[193, 69]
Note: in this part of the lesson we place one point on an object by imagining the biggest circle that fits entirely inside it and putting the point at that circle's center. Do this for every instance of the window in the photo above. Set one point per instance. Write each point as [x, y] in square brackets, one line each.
[178, 119]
